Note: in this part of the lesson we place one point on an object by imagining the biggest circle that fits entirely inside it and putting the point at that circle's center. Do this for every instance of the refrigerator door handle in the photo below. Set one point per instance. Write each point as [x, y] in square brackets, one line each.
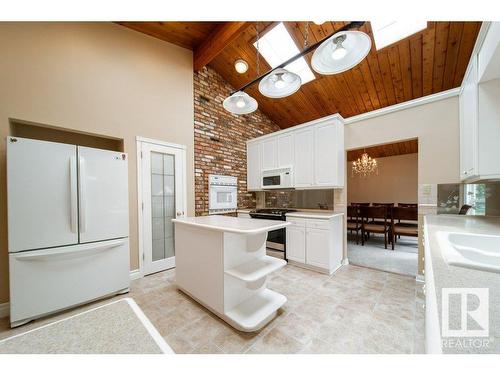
[73, 194]
[81, 180]
[50, 253]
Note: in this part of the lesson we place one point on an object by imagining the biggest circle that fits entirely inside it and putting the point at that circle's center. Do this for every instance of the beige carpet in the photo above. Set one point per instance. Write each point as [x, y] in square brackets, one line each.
[119, 327]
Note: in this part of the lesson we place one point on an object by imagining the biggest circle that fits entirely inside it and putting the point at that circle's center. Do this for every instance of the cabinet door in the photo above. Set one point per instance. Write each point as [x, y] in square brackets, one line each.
[269, 154]
[103, 194]
[285, 150]
[468, 102]
[253, 166]
[303, 148]
[318, 247]
[326, 155]
[296, 243]
[41, 194]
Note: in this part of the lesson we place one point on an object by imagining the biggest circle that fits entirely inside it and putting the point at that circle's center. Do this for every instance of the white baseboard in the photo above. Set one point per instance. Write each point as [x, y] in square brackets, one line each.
[5, 307]
[135, 274]
[345, 262]
[4, 310]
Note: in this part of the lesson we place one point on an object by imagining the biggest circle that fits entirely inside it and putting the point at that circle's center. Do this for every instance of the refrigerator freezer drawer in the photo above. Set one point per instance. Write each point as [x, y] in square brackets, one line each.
[45, 281]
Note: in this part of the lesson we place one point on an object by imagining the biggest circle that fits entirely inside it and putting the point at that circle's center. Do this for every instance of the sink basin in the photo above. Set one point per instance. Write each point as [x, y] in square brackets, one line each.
[475, 251]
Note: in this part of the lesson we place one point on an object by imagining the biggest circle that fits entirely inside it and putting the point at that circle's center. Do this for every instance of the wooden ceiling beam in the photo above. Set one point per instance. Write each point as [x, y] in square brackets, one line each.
[216, 41]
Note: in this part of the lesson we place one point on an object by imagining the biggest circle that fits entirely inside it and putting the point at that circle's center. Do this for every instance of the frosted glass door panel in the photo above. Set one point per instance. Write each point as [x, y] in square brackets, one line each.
[162, 204]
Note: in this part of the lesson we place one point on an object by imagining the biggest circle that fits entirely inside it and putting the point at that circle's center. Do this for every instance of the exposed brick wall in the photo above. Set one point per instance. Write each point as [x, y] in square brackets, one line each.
[220, 138]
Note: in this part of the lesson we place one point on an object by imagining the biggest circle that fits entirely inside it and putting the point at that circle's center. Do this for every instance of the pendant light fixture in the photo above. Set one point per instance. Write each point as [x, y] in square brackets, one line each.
[240, 103]
[280, 83]
[341, 52]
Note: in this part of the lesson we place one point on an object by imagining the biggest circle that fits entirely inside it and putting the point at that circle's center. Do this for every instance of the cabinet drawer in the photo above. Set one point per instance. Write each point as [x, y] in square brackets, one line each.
[296, 221]
[318, 224]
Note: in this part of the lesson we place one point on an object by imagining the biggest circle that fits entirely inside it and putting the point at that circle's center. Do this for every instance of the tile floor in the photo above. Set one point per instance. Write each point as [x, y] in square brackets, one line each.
[403, 259]
[357, 310]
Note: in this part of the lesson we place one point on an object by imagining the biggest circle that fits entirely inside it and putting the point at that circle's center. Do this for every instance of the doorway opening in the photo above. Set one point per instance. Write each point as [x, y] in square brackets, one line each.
[382, 214]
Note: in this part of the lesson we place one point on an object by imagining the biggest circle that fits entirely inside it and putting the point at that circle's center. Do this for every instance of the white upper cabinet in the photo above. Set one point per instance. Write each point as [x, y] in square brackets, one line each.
[468, 103]
[269, 154]
[314, 151]
[329, 155]
[285, 150]
[303, 168]
[480, 112]
[254, 167]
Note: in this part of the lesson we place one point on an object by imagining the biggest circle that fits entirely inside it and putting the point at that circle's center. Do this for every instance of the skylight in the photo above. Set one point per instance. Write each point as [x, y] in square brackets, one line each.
[389, 32]
[277, 46]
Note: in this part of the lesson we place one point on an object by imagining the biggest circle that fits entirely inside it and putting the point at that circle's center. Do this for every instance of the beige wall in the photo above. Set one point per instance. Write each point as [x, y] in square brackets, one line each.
[99, 78]
[395, 182]
[436, 125]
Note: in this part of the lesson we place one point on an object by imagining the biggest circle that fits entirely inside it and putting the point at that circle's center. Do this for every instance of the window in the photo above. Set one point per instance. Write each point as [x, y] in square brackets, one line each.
[389, 32]
[277, 46]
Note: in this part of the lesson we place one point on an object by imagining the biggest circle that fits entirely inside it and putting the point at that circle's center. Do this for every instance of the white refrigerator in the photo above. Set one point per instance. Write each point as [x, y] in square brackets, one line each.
[68, 226]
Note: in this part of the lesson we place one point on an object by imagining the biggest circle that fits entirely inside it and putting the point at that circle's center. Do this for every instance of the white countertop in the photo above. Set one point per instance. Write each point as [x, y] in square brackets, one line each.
[232, 224]
[448, 276]
[314, 214]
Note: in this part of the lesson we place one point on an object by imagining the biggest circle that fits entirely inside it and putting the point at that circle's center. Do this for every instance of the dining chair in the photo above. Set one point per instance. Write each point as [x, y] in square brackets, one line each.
[404, 229]
[464, 209]
[368, 225]
[353, 221]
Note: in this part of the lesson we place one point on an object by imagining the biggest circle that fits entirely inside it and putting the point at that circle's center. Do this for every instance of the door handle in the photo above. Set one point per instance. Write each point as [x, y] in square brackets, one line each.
[90, 247]
[180, 213]
[81, 180]
[73, 194]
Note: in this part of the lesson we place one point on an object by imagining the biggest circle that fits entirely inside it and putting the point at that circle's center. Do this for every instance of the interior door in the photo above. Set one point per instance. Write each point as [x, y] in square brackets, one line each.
[103, 194]
[163, 199]
[42, 194]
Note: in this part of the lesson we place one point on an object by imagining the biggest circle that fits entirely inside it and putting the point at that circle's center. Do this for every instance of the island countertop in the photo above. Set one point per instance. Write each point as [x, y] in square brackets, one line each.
[232, 224]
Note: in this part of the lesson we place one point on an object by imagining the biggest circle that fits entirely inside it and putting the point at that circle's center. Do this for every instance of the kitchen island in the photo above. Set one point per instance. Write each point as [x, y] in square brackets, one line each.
[221, 262]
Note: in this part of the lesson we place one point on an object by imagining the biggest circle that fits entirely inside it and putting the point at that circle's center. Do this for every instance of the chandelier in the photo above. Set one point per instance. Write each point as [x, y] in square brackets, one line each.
[364, 165]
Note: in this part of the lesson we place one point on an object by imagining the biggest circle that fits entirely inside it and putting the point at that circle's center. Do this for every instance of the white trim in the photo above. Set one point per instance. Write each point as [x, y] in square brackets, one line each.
[420, 278]
[135, 274]
[161, 143]
[4, 309]
[405, 105]
[139, 141]
[345, 262]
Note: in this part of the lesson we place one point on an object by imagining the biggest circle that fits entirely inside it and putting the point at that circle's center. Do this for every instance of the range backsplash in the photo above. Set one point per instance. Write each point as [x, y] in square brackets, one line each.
[484, 198]
[311, 199]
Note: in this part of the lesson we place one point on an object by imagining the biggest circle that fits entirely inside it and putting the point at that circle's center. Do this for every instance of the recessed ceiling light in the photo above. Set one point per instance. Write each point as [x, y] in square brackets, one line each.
[319, 23]
[241, 66]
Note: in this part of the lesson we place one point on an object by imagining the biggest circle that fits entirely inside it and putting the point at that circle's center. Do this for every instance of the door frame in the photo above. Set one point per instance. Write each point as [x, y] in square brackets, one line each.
[140, 217]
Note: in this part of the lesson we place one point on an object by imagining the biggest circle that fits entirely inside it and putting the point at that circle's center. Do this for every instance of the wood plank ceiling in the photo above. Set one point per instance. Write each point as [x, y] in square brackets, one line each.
[184, 34]
[427, 62]
[382, 151]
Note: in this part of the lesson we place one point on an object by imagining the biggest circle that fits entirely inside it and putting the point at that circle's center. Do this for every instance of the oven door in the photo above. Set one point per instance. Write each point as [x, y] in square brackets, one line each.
[222, 197]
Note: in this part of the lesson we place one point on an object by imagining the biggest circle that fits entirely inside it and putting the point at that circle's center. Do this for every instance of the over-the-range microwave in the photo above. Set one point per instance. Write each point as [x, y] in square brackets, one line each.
[280, 178]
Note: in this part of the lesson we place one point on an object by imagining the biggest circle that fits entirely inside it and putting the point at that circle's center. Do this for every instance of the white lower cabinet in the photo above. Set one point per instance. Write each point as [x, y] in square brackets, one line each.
[314, 243]
[296, 243]
[318, 247]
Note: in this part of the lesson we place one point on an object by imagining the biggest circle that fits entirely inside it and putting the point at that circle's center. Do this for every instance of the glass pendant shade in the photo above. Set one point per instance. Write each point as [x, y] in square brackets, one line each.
[280, 83]
[240, 103]
[341, 52]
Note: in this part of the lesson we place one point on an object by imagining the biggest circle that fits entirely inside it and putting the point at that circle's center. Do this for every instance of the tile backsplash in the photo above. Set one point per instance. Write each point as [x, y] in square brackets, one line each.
[312, 199]
[484, 198]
